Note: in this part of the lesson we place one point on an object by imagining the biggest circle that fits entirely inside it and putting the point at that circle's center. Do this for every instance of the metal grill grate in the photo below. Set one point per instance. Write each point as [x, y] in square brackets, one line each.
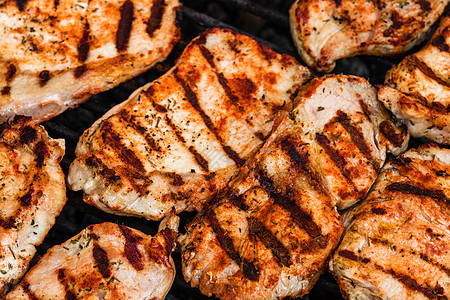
[267, 21]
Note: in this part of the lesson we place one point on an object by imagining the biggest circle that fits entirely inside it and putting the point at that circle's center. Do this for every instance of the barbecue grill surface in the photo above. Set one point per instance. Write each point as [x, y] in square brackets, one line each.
[264, 20]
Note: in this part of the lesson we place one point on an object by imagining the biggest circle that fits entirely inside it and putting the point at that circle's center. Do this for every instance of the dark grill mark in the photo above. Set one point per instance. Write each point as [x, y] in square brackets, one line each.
[65, 282]
[131, 251]
[28, 134]
[248, 268]
[26, 288]
[44, 77]
[365, 109]
[56, 4]
[132, 121]
[177, 180]
[424, 5]
[156, 14]
[193, 100]
[411, 283]
[339, 161]
[440, 43]
[270, 241]
[202, 162]
[6, 91]
[388, 131]
[302, 218]
[42, 152]
[222, 80]
[21, 4]
[348, 254]
[125, 23]
[414, 190]
[101, 261]
[379, 211]
[10, 72]
[301, 162]
[8, 223]
[169, 239]
[26, 199]
[80, 70]
[357, 137]
[238, 201]
[83, 44]
[114, 140]
[426, 70]
[97, 164]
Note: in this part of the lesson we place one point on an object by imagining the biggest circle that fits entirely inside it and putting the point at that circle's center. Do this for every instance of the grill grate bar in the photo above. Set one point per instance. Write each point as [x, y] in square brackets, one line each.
[261, 11]
[60, 130]
[207, 21]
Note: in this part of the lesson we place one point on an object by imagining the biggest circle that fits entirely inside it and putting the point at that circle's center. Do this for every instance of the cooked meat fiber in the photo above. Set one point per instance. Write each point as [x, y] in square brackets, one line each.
[178, 140]
[269, 235]
[417, 90]
[350, 132]
[327, 30]
[56, 54]
[397, 242]
[32, 192]
[104, 261]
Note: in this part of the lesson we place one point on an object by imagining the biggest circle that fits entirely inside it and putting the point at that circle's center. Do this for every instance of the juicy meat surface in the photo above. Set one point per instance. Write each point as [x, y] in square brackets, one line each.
[350, 133]
[179, 139]
[417, 90]
[104, 261]
[56, 54]
[396, 244]
[327, 30]
[32, 194]
[269, 235]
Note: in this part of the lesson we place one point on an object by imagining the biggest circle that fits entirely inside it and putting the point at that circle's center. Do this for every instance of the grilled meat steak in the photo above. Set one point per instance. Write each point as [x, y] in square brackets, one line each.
[269, 235]
[178, 140]
[397, 242]
[350, 132]
[417, 90]
[104, 261]
[56, 54]
[32, 192]
[327, 30]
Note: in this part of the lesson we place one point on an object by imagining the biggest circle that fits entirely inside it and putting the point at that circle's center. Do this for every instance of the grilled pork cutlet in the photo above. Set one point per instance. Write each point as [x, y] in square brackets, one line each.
[269, 235]
[56, 54]
[350, 132]
[104, 261]
[32, 194]
[179, 139]
[417, 90]
[327, 30]
[397, 242]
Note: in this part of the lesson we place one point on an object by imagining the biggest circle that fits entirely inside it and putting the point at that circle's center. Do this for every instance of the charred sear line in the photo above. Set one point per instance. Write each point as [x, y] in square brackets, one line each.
[21, 4]
[26, 199]
[125, 23]
[201, 161]
[177, 180]
[42, 153]
[352, 256]
[66, 282]
[11, 71]
[83, 44]
[44, 77]
[101, 260]
[131, 251]
[302, 218]
[388, 131]
[440, 43]
[414, 190]
[169, 240]
[101, 168]
[193, 100]
[357, 137]
[113, 139]
[238, 201]
[222, 80]
[301, 162]
[6, 91]
[9, 222]
[156, 14]
[365, 109]
[426, 70]
[339, 161]
[270, 241]
[248, 268]
[424, 5]
[80, 70]
[28, 134]
[26, 289]
[134, 123]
